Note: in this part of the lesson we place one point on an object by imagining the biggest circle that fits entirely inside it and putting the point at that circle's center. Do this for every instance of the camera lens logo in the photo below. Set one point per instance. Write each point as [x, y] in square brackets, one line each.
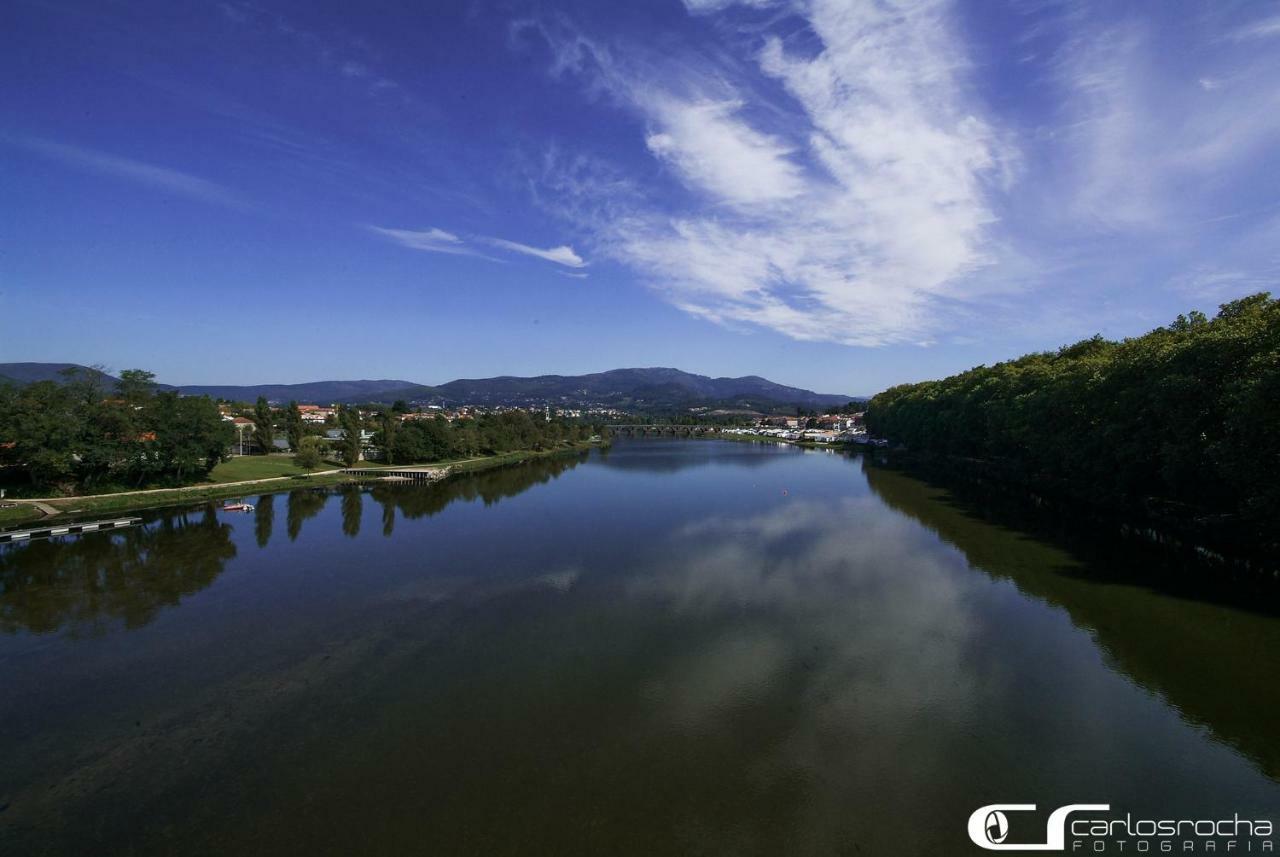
[997, 827]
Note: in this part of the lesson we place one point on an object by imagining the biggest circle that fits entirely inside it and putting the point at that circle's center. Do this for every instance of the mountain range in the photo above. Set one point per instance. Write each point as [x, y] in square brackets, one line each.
[640, 390]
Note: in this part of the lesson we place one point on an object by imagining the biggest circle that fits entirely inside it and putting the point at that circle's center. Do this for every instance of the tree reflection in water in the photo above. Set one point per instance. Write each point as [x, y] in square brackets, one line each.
[303, 504]
[1185, 649]
[85, 583]
[264, 518]
[352, 510]
[489, 486]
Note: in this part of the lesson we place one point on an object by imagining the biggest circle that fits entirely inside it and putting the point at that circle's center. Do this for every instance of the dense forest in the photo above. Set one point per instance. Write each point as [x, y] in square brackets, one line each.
[436, 439]
[1180, 425]
[85, 434]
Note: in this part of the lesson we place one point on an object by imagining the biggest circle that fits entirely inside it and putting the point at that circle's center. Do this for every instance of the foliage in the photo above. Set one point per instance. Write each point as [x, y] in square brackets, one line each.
[77, 435]
[389, 422]
[437, 439]
[310, 452]
[293, 426]
[349, 420]
[1183, 421]
[264, 432]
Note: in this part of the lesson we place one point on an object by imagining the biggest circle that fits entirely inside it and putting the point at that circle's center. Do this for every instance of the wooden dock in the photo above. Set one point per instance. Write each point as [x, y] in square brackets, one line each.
[66, 529]
[399, 474]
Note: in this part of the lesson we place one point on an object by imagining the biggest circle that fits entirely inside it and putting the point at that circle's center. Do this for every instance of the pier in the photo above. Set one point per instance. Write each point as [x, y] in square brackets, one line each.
[67, 529]
[399, 474]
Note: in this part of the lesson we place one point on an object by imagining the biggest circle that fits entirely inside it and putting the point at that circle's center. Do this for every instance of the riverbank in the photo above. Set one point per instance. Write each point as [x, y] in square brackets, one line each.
[34, 510]
[1216, 543]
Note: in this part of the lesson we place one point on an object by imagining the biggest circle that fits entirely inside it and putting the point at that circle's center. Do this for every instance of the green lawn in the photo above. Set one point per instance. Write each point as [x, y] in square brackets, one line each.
[244, 467]
[239, 469]
[22, 514]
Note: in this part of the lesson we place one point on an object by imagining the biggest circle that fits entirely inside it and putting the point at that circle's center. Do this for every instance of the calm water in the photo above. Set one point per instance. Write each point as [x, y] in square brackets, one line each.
[674, 647]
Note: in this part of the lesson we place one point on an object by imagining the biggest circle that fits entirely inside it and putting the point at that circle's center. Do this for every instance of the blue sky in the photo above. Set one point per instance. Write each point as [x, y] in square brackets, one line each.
[838, 195]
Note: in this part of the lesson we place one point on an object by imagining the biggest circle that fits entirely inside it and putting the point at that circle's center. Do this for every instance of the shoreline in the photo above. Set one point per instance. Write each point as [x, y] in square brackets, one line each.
[69, 508]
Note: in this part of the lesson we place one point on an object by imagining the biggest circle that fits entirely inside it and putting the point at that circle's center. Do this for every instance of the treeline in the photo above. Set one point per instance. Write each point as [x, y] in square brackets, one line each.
[1181, 424]
[82, 434]
[437, 439]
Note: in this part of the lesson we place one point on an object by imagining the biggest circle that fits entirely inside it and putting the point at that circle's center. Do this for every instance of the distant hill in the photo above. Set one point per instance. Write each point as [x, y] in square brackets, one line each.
[29, 373]
[639, 390]
[313, 392]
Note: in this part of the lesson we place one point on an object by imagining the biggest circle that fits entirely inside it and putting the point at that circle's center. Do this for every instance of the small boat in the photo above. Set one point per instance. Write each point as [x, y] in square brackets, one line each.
[237, 507]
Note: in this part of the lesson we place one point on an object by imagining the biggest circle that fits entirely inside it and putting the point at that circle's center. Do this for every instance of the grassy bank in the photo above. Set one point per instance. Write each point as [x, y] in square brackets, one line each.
[13, 516]
[246, 467]
[227, 487]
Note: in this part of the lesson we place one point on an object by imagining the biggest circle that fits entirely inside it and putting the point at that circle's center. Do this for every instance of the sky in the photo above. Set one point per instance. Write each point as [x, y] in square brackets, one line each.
[839, 195]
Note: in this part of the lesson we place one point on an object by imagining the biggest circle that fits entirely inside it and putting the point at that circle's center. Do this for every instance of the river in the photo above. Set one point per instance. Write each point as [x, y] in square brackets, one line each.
[666, 648]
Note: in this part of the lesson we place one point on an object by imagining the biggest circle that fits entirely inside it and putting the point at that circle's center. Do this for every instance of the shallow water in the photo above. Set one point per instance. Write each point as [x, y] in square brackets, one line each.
[673, 647]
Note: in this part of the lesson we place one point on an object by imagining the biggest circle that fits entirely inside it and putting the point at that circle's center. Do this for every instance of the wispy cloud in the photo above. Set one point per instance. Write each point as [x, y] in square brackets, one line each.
[435, 240]
[562, 255]
[1220, 284]
[1264, 28]
[1145, 143]
[719, 153]
[852, 217]
[431, 240]
[140, 172]
[337, 54]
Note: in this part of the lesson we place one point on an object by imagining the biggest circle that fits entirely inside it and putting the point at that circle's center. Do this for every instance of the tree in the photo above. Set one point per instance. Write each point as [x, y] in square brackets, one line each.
[349, 418]
[190, 436]
[1180, 425]
[309, 453]
[136, 386]
[43, 424]
[386, 439]
[400, 406]
[293, 425]
[263, 430]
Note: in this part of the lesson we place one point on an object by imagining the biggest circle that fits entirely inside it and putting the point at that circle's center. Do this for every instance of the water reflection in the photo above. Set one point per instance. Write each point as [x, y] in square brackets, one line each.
[80, 583]
[264, 516]
[848, 629]
[1217, 665]
[303, 504]
[488, 486]
[674, 455]
[781, 657]
[85, 583]
[352, 510]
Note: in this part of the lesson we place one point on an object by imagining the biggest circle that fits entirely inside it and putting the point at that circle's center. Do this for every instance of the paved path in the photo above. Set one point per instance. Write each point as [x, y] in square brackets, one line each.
[47, 510]
[41, 503]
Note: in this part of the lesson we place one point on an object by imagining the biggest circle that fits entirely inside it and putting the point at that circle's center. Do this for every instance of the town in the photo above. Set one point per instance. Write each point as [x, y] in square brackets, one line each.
[325, 422]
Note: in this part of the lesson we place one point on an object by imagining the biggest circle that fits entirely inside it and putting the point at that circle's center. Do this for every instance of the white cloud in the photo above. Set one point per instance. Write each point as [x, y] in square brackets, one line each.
[859, 230]
[702, 7]
[431, 240]
[721, 154]
[434, 240]
[562, 255]
[160, 178]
